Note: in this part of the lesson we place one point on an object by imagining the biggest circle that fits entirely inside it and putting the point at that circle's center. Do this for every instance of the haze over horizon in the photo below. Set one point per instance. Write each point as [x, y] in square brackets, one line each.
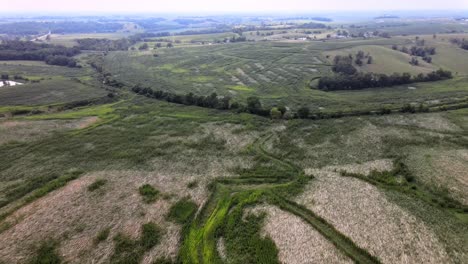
[213, 6]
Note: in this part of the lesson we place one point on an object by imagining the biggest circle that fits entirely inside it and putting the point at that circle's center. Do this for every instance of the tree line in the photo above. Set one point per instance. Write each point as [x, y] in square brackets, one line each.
[27, 50]
[358, 81]
[462, 43]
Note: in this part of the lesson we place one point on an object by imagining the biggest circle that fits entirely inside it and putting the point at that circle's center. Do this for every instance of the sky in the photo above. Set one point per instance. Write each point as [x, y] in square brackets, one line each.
[232, 6]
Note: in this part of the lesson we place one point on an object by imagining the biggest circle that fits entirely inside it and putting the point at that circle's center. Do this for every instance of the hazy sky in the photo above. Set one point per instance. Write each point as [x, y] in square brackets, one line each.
[187, 6]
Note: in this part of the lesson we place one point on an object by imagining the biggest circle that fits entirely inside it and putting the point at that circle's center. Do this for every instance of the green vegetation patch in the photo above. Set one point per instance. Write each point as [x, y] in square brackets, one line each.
[102, 235]
[151, 235]
[97, 184]
[149, 193]
[128, 251]
[182, 211]
[46, 254]
[244, 242]
[241, 88]
[401, 180]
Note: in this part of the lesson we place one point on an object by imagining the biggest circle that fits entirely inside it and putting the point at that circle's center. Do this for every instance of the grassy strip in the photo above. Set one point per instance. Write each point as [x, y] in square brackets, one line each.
[38, 193]
[400, 180]
[199, 244]
[346, 245]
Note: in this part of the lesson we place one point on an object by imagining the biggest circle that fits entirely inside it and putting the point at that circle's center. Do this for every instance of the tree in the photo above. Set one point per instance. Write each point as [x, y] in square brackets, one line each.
[224, 102]
[414, 61]
[143, 47]
[358, 62]
[360, 54]
[282, 109]
[303, 112]
[190, 99]
[169, 45]
[158, 45]
[275, 113]
[253, 104]
[369, 60]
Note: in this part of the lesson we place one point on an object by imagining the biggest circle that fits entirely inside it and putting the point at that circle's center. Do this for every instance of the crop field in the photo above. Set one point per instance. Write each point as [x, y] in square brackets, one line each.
[280, 73]
[95, 169]
[46, 84]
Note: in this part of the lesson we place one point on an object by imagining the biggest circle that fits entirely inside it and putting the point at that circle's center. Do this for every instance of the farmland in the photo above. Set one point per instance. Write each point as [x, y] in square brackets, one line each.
[97, 168]
[280, 73]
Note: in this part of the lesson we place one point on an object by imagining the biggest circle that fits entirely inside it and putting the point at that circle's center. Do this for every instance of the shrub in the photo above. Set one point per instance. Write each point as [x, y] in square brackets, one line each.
[192, 184]
[303, 112]
[46, 254]
[149, 193]
[151, 235]
[96, 184]
[275, 113]
[182, 211]
[102, 235]
[126, 251]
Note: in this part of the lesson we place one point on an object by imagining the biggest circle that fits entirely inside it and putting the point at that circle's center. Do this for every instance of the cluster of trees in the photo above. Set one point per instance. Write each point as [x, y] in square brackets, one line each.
[462, 43]
[361, 57]
[61, 60]
[371, 80]
[344, 65]
[418, 51]
[313, 25]
[27, 50]
[377, 33]
[236, 39]
[15, 77]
